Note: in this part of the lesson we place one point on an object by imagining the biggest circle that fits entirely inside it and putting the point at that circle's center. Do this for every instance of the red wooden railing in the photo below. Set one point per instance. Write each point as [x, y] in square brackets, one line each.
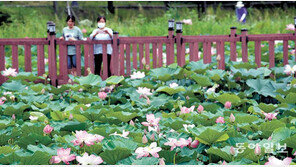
[127, 50]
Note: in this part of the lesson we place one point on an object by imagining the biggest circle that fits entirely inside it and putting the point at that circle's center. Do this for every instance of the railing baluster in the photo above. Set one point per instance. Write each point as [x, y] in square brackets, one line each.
[78, 59]
[285, 52]
[105, 62]
[15, 62]
[86, 58]
[121, 46]
[28, 58]
[233, 56]
[222, 55]
[154, 54]
[191, 52]
[159, 54]
[258, 53]
[244, 33]
[40, 60]
[271, 54]
[92, 59]
[63, 63]
[147, 54]
[141, 55]
[196, 51]
[135, 60]
[2, 63]
[128, 60]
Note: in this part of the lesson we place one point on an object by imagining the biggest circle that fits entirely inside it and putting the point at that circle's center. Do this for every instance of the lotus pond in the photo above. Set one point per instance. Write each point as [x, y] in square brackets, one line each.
[191, 115]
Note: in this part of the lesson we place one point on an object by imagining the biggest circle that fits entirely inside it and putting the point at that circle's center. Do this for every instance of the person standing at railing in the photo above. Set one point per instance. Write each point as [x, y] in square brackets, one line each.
[101, 33]
[71, 33]
[241, 12]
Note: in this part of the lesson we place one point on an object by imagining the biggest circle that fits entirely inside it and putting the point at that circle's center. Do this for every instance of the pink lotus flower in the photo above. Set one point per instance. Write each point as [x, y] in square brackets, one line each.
[292, 52]
[89, 160]
[144, 91]
[213, 51]
[172, 142]
[124, 134]
[173, 85]
[290, 70]
[232, 150]
[84, 31]
[138, 75]
[145, 151]
[232, 118]
[2, 102]
[132, 123]
[187, 51]
[144, 139]
[188, 126]
[9, 72]
[63, 155]
[47, 129]
[194, 144]
[227, 105]
[200, 108]
[82, 137]
[71, 116]
[152, 137]
[274, 161]
[257, 150]
[290, 27]
[102, 95]
[269, 138]
[220, 120]
[270, 116]
[224, 163]
[262, 45]
[187, 21]
[185, 110]
[161, 161]
[13, 117]
[151, 120]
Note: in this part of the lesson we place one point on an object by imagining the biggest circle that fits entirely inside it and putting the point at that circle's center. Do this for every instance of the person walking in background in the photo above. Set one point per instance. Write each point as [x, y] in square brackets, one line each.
[241, 12]
[101, 33]
[71, 33]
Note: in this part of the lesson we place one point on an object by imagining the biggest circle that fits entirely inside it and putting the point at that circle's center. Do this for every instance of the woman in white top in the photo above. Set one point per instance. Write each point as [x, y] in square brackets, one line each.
[101, 33]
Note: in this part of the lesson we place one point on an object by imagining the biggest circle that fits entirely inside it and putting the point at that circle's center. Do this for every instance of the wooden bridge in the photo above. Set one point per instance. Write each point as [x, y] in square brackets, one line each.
[130, 52]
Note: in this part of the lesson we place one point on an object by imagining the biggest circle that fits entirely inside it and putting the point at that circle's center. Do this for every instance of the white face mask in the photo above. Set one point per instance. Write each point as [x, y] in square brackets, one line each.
[101, 25]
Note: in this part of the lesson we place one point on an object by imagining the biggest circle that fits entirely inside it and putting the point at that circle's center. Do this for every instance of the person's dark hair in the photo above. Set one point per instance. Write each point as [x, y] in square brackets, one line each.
[70, 17]
[101, 17]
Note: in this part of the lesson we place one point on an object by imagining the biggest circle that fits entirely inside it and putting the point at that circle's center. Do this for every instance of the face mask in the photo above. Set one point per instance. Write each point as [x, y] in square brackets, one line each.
[101, 25]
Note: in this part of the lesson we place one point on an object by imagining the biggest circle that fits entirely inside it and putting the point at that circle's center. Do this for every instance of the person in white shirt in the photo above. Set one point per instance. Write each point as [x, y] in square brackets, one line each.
[101, 33]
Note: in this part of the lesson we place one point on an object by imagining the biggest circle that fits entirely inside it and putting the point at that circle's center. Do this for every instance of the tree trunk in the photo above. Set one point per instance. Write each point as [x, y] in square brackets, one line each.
[55, 7]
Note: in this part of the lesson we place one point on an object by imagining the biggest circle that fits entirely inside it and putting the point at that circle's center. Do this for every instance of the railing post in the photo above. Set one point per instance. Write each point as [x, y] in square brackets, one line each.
[180, 58]
[170, 46]
[244, 40]
[295, 36]
[2, 63]
[52, 62]
[233, 56]
[115, 56]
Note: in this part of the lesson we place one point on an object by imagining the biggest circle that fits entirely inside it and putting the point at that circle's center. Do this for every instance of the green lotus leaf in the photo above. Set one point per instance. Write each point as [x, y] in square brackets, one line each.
[93, 149]
[164, 74]
[170, 90]
[10, 159]
[167, 155]
[38, 158]
[6, 150]
[57, 115]
[113, 156]
[90, 79]
[4, 123]
[85, 100]
[224, 152]
[267, 128]
[94, 114]
[246, 118]
[290, 141]
[58, 90]
[17, 109]
[198, 66]
[114, 80]
[234, 99]
[280, 134]
[186, 155]
[117, 141]
[27, 76]
[201, 80]
[42, 148]
[41, 116]
[146, 161]
[249, 154]
[28, 128]
[267, 107]
[14, 85]
[32, 98]
[33, 139]
[209, 135]
[122, 116]
[265, 87]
